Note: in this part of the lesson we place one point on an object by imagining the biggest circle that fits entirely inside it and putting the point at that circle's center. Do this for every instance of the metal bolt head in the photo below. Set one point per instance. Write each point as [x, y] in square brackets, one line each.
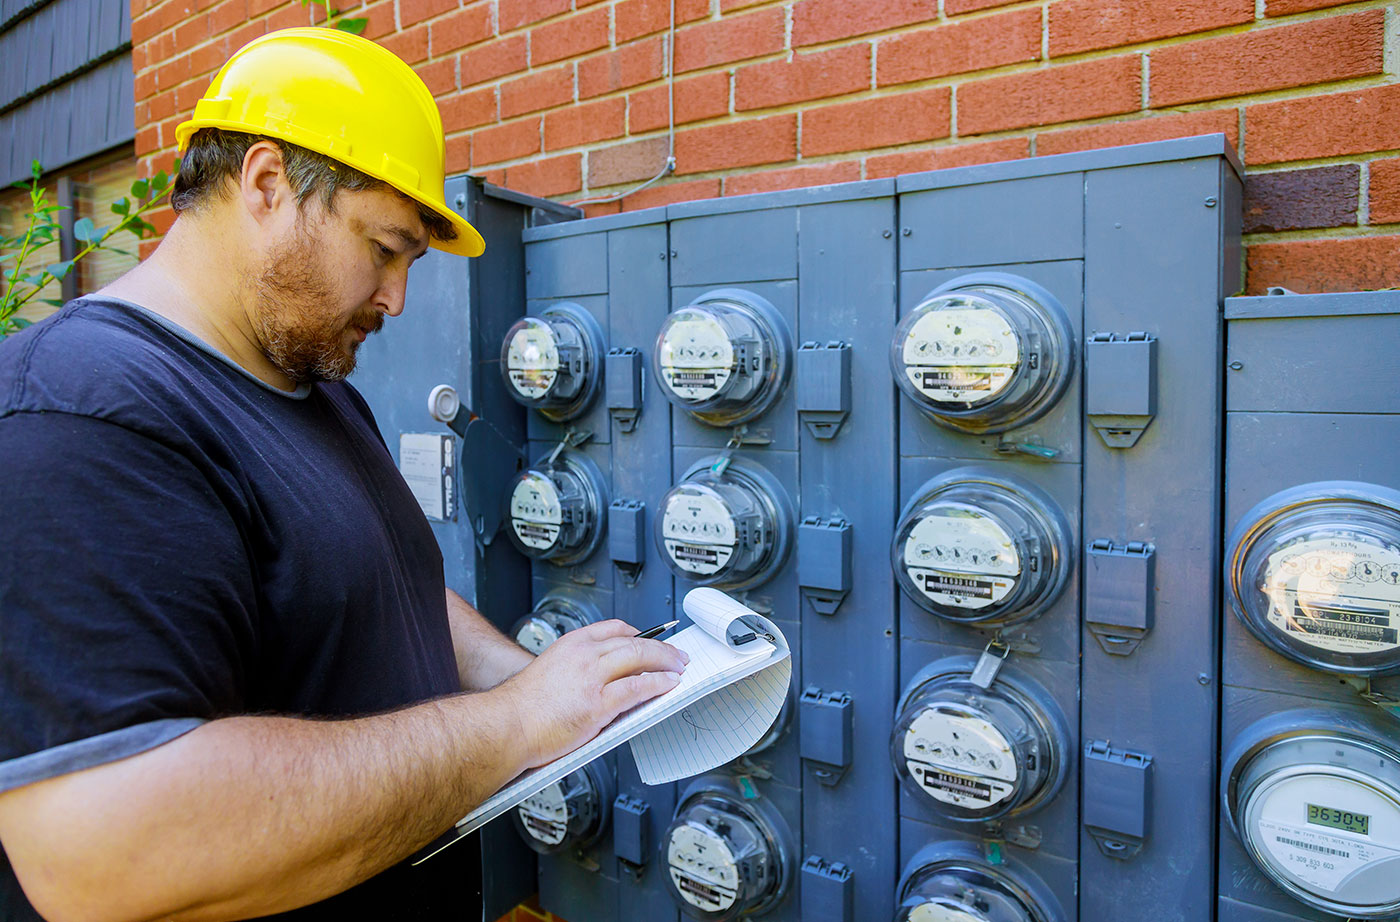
[907, 231]
[1203, 678]
[887, 234]
[1236, 366]
[1210, 201]
[460, 201]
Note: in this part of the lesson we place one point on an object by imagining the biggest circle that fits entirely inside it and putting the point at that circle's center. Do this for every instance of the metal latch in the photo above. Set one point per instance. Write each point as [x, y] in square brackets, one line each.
[1120, 386]
[824, 387]
[1117, 807]
[824, 562]
[825, 731]
[1118, 593]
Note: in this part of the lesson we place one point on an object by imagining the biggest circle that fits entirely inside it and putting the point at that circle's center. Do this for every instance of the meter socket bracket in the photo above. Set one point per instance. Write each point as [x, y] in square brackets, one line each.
[824, 562]
[827, 891]
[1117, 808]
[1118, 581]
[624, 382]
[493, 459]
[824, 387]
[825, 733]
[1120, 394]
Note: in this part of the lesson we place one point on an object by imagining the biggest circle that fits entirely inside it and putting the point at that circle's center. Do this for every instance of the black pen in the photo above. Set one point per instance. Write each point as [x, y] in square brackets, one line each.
[657, 631]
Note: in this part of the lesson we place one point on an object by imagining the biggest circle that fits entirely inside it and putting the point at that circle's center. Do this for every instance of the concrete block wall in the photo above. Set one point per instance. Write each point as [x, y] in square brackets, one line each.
[568, 98]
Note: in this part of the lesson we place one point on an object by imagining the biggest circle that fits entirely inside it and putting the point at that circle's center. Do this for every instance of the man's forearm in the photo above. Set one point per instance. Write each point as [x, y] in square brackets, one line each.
[253, 815]
[485, 656]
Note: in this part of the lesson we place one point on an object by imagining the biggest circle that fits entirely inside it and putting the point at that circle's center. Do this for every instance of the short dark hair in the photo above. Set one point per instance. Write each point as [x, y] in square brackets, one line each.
[214, 156]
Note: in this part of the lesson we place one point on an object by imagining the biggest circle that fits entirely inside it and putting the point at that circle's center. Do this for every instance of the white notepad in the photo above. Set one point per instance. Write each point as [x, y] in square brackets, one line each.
[729, 695]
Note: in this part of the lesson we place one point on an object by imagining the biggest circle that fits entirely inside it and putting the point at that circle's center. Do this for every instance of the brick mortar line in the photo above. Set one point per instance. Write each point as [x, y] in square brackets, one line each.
[1289, 166]
[1363, 196]
[1304, 235]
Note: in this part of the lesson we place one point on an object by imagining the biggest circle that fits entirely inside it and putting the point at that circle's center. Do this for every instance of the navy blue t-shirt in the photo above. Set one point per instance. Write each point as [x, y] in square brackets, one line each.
[182, 543]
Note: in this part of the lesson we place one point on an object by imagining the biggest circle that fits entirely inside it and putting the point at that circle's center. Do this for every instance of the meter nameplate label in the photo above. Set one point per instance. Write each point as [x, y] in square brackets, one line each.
[1321, 859]
[546, 815]
[1336, 594]
[535, 635]
[536, 514]
[702, 869]
[425, 461]
[942, 912]
[697, 357]
[959, 760]
[532, 360]
[698, 532]
[961, 557]
[961, 355]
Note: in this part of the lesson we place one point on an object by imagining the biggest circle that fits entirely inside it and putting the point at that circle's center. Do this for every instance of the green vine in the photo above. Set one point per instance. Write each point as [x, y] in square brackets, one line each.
[334, 20]
[21, 284]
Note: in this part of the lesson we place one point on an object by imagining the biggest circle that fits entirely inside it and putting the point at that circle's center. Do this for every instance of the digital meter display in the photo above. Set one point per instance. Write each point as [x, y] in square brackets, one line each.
[984, 353]
[1314, 573]
[971, 546]
[724, 358]
[553, 363]
[556, 510]
[1339, 819]
[727, 529]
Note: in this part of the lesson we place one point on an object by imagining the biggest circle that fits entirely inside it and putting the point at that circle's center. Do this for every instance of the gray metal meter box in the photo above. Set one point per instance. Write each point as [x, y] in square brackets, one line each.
[900, 418]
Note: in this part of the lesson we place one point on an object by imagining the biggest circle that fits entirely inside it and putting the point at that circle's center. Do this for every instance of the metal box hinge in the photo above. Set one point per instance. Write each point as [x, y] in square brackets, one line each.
[624, 383]
[627, 538]
[1120, 386]
[824, 562]
[824, 387]
[1117, 806]
[1119, 582]
[828, 891]
[825, 731]
[631, 836]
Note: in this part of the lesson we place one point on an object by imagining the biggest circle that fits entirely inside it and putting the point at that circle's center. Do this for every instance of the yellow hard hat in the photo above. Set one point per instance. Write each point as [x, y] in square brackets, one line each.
[342, 96]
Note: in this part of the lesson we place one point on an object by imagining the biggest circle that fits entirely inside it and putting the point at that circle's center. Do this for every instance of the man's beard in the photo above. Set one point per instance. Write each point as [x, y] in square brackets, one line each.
[298, 332]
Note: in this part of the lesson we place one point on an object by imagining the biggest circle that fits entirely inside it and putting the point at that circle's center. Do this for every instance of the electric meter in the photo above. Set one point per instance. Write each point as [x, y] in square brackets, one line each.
[557, 508]
[726, 855]
[952, 882]
[973, 754]
[1314, 572]
[1315, 798]
[972, 546]
[726, 524]
[553, 363]
[554, 616]
[570, 814]
[724, 358]
[984, 352]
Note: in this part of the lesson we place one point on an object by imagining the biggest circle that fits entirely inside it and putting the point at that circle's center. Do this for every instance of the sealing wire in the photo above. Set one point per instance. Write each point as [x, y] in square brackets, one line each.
[670, 163]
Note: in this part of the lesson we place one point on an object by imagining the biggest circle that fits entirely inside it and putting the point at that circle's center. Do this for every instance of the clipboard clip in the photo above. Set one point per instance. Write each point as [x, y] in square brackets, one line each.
[755, 631]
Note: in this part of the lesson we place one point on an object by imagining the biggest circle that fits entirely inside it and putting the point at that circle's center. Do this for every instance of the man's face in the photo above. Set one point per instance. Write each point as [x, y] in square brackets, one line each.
[329, 280]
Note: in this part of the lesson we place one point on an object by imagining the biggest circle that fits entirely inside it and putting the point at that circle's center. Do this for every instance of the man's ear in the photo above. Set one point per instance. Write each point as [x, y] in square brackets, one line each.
[263, 186]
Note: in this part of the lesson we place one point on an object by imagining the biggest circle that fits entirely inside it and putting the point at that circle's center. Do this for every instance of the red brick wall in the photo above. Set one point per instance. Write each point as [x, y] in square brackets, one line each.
[567, 98]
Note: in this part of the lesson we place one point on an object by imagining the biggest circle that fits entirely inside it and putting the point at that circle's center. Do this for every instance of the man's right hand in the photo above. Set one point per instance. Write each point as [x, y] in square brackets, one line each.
[585, 679]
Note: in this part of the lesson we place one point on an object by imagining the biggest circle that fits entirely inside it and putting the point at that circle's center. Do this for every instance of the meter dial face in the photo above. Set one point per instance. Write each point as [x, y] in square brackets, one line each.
[532, 358]
[536, 634]
[728, 529]
[725, 358]
[950, 882]
[1317, 577]
[972, 547]
[552, 363]
[554, 616]
[984, 353]
[556, 510]
[1320, 815]
[972, 754]
[568, 814]
[724, 858]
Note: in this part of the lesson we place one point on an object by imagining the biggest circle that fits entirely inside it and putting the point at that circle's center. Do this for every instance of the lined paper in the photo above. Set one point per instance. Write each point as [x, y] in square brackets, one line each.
[728, 697]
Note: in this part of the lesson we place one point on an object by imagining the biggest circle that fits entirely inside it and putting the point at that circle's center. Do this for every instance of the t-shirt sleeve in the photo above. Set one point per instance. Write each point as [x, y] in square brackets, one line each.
[127, 603]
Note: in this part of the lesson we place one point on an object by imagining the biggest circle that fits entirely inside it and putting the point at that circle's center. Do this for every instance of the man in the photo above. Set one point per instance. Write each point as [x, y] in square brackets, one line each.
[230, 674]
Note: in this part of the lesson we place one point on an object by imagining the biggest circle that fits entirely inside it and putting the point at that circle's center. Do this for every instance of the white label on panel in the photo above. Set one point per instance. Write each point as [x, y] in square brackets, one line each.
[698, 532]
[702, 868]
[961, 557]
[959, 760]
[1336, 594]
[535, 511]
[424, 462]
[546, 814]
[697, 357]
[532, 359]
[961, 355]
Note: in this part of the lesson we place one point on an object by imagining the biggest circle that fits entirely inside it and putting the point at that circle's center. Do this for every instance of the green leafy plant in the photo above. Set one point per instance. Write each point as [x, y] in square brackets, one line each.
[334, 19]
[22, 283]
